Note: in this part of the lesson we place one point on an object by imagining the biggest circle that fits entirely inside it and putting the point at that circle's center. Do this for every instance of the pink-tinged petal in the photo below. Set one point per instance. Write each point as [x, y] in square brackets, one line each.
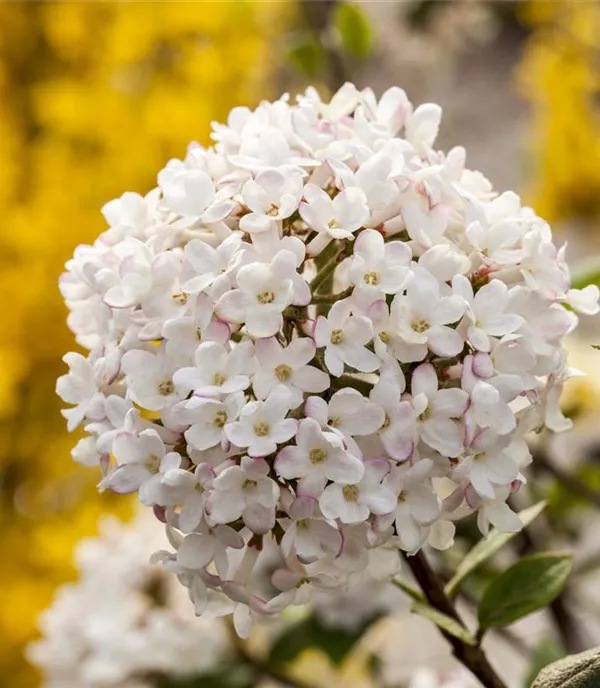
[443, 435]
[448, 310]
[334, 505]
[424, 381]
[258, 518]
[333, 362]
[451, 403]
[503, 324]
[381, 501]
[195, 552]
[316, 407]
[503, 518]
[284, 430]
[479, 339]
[358, 358]
[231, 307]
[265, 322]
[311, 379]
[301, 351]
[344, 468]
[127, 478]
[444, 341]
[261, 446]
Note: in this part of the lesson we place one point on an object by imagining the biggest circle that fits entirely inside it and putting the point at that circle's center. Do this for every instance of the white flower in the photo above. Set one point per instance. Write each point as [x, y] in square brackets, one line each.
[142, 461]
[271, 195]
[344, 337]
[191, 192]
[353, 503]
[417, 505]
[150, 378]
[486, 310]
[217, 370]
[347, 412]
[420, 318]
[435, 409]
[317, 457]
[333, 219]
[263, 292]
[378, 267]
[210, 267]
[262, 425]
[279, 366]
[80, 387]
[308, 535]
[191, 490]
[488, 463]
[245, 491]
[207, 418]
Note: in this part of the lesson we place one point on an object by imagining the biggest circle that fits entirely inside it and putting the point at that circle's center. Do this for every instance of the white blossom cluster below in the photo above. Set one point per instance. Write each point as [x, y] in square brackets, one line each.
[123, 623]
[323, 332]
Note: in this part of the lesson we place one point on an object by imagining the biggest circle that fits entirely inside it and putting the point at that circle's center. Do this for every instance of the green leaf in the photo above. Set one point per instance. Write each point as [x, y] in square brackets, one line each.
[446, 623]
[336, 643]
[306, 54]
[354, 29]
[408, 590]
[530, 584]
[577, 671]
[484, 549]
[544, 653]
[585, 274]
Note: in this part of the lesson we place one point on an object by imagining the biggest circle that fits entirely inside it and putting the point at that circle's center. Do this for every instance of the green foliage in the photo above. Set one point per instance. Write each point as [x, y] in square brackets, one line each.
[530, 584]
[577, 671]
[484, 549]
[446, 623]
[306, 54]
[354, 29]
[544, 653]
[336, 643]
[228, 677]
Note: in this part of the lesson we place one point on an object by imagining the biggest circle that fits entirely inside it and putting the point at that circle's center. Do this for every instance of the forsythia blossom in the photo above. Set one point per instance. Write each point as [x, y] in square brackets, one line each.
[322, 333]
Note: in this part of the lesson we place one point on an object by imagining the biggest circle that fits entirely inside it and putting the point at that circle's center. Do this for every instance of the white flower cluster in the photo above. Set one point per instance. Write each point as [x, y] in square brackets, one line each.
[320, 331]
[123, 623]
[429, 678]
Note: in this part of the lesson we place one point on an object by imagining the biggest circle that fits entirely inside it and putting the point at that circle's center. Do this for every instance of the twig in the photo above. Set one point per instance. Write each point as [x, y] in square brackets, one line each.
[332, 298]
[472, 657]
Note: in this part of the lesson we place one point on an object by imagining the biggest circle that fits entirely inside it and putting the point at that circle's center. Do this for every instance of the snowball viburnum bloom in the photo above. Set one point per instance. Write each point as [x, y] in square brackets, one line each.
[249, 325]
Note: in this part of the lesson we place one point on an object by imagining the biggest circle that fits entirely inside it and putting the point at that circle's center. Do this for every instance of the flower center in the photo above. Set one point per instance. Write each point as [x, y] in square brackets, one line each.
[273, 210]
[218, 379]
[350, 493]
[334, 421]
[261, 429]
[385, 337]
[199, 487]
[386, 422]
[283, 372]
[332, 224]
[248, 483]
[220, 418]
[401, 498]
[199, 333]
[181, 297]
[152, 463]
[265, 297]
[317, 456]
[337, 336]
[420, 325]
[166, 387]
[426, 415]
[371, 278]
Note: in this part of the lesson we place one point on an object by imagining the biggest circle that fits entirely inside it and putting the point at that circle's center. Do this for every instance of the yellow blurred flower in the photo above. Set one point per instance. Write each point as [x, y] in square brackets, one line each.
[559, 74]
[94, 98]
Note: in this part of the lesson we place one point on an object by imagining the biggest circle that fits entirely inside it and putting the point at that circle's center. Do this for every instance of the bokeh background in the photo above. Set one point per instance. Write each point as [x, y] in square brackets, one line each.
[96, 96]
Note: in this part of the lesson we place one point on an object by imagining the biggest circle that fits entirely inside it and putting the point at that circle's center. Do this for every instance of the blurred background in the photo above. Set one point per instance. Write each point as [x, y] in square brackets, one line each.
[96, 96]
